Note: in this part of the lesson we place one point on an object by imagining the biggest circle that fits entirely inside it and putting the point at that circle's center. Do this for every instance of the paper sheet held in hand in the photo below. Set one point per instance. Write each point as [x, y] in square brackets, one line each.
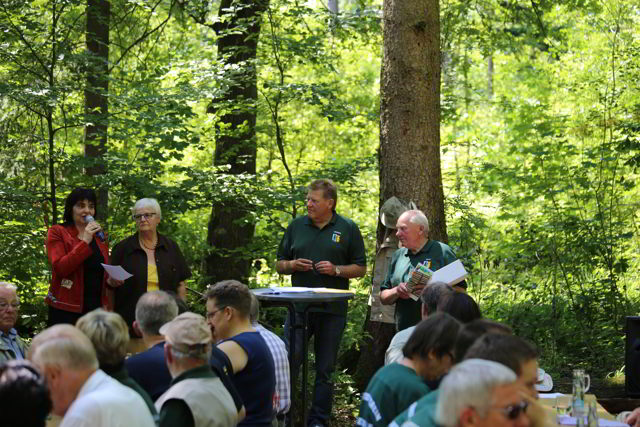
[116, 272]
[451, 274]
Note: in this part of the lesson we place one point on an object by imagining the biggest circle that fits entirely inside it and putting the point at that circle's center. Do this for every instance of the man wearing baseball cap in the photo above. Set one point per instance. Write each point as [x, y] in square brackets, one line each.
[197, 397]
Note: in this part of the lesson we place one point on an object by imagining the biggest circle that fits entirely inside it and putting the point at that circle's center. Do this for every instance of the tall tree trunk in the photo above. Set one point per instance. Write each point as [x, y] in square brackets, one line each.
[95, 95]
[333, 6]
[410, 109]
[409, 131]
[230, 229]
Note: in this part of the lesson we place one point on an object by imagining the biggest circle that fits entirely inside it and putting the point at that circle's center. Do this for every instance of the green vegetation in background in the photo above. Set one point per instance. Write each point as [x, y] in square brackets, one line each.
[539, 168]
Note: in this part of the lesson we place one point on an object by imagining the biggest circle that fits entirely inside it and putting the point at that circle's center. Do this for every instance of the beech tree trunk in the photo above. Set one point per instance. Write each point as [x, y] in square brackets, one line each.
[230, 229]
[95, 95]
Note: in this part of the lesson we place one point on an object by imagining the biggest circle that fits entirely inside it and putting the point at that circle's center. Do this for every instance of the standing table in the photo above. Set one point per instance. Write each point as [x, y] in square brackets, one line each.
[302, 303]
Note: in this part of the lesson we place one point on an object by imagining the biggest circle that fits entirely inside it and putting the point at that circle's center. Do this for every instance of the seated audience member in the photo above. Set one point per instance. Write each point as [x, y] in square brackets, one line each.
[278, 350]
[148, 368]
[424, 409]
[11, 345]
[428, 355]
[480, 393]
[81, 393]
[430, 297]
[24, 395]
[109, 335]
[474, 330]
[197, 397]
[461, 306]
[515, 353]
[228, 309]
[521, 357]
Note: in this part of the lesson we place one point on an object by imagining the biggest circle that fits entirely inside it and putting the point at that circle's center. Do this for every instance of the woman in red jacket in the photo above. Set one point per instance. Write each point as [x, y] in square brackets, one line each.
[75, 250]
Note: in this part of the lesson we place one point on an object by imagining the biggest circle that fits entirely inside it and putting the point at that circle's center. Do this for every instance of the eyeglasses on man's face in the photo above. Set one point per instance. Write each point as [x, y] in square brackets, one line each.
[513, 411]
[210, 314]
[139, 217]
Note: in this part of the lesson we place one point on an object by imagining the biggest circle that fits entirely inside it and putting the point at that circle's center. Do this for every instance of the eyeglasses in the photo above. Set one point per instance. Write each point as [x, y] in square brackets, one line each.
[4, 305]
[210, 314]
[138, 217]
[513, 411]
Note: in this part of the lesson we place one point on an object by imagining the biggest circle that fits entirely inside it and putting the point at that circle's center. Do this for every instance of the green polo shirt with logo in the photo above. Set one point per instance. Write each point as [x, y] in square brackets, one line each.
[339, 242]
[391, 390]
[421, 413]
[403, 262]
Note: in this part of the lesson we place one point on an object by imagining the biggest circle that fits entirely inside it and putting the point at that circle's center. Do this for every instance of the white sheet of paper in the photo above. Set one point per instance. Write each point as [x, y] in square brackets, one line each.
[290, 289]
[450, 274]
[550, 395]
[116, 272]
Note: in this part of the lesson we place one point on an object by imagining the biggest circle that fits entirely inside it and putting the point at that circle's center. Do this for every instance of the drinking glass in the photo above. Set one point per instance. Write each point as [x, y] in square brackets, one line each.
[563, 405]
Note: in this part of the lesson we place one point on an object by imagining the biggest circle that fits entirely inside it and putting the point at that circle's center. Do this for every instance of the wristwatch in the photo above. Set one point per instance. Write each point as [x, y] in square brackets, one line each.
[337, 270]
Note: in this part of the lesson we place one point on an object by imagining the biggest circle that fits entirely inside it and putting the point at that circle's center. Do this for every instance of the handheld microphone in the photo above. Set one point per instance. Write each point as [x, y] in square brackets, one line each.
[100, 233]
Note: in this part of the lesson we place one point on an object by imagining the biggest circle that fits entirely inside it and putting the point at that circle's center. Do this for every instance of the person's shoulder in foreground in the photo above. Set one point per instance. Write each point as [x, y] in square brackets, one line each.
[105, 402]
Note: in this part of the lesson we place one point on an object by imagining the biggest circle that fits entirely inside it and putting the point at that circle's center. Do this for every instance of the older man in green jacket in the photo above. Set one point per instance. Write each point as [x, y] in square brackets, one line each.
[11, 345]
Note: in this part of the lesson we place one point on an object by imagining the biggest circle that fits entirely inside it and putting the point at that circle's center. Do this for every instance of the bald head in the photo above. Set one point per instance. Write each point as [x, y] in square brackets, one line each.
[67, 359]
[64, 346]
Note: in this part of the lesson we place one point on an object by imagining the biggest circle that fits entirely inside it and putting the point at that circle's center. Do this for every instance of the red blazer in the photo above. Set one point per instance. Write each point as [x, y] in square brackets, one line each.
[66, 254]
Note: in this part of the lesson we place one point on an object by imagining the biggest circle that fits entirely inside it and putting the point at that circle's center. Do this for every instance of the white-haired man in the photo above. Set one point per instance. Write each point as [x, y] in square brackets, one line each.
[81, 393]
[413, 233]
[480, 393]
[11, 345]
[197, 397]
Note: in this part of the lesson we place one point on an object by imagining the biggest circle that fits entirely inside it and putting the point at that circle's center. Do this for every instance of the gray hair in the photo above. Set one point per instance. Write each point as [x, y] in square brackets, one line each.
[419, 218]
[470, 384]
[108, 333]
[147, 203]
[433, 293]
[64, 346]
[10, 286]
[153, 310]
[197, 351]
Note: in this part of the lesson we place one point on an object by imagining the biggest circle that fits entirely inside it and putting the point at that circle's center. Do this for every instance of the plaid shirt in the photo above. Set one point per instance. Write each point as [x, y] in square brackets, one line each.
[282, 400]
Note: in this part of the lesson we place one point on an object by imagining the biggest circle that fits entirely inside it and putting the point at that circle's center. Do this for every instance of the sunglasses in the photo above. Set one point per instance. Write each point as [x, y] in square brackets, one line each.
[513, 411]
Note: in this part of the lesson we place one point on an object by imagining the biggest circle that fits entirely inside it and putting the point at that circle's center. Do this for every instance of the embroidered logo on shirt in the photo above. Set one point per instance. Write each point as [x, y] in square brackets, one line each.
[66, 283]
[336, 236]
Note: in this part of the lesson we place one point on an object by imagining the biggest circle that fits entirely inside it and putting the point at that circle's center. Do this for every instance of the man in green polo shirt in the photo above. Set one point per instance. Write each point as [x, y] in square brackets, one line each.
[413, 233]
[322, 249]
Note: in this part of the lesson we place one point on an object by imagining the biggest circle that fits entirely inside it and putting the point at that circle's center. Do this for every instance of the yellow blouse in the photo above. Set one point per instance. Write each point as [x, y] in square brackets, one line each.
[152, 278]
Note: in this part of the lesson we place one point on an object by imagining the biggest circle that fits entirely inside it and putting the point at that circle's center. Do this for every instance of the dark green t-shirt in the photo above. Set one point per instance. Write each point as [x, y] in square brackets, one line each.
[391, 390]
[339, 242]
[402, 263]
[421, 413]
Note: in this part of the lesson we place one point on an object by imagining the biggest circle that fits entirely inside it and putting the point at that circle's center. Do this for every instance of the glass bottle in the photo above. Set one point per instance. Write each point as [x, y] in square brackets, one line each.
[577, 400]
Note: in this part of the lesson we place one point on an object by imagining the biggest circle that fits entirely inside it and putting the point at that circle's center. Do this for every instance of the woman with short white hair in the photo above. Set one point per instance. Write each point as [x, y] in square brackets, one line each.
[155, 261]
